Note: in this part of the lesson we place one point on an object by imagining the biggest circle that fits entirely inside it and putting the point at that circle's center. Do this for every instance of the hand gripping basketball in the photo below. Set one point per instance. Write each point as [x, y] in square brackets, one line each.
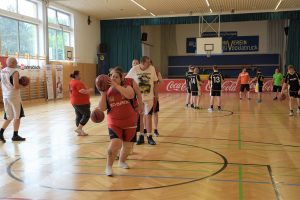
[24, 80]
[102, 83]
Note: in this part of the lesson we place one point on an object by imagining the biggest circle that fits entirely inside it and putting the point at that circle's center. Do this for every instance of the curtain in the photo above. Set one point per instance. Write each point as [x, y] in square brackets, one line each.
[168, 46]
[293, 51]
[276, 38]
[123, 41]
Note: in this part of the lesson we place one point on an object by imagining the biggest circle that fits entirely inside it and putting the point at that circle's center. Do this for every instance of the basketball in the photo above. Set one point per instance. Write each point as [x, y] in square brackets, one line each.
[24, 80]
[97, 116]
[102, 83]
[282, 97]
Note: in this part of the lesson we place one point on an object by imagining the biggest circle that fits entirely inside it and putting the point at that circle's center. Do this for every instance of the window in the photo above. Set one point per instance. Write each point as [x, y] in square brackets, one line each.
[58, 17]
[58, 39]
[27, 8]
[59, 33]
[9, 5]
[17, 36]
[23, 7]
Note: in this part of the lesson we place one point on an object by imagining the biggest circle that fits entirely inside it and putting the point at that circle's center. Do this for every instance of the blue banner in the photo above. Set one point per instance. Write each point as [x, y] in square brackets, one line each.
[231, 43]
[240, 43]
[222, 34]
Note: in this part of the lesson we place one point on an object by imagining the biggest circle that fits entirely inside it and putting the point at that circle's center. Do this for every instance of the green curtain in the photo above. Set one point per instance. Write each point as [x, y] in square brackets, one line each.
[293, 51]
[123, 41]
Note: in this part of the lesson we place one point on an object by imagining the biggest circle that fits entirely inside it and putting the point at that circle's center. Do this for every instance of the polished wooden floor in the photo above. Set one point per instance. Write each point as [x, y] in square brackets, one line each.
[247, 151]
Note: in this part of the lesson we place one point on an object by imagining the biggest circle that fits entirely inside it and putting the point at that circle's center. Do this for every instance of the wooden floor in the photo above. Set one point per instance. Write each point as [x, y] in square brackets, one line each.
[247, 151]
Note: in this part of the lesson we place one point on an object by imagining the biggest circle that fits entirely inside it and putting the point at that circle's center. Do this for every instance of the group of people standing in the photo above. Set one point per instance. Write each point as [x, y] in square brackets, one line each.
[280, 83]
[130, 102]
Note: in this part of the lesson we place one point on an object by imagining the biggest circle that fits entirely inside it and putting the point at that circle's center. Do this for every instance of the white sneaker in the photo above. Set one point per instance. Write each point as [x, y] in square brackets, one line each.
[78, 130]
[210, 110]
[123, 165]
[108, 171]
[298, 111]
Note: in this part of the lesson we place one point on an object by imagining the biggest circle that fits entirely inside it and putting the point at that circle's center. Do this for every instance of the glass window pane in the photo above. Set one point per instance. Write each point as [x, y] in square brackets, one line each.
[28, 38]
[27, 8]
[60, 45]
[63, 19]
[52, 44]
[10, 5]
[67, 38]
[52, 16]
[9, 36]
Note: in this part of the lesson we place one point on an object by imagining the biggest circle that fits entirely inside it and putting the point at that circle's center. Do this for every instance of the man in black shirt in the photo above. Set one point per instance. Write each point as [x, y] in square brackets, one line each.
[188, 86]
[292, 80]
[215, 81]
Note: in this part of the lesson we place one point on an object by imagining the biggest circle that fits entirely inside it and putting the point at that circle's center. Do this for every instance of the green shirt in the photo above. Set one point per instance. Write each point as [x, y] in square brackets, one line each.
[277, 78]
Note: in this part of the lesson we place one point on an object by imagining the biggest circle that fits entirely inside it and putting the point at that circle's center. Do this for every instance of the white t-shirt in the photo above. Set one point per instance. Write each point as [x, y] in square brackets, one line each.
[145, 80]
[8, 90]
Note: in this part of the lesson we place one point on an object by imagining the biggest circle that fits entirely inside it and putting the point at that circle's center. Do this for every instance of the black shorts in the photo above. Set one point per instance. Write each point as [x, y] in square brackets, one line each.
[188, 89]
[215, 93]
[156, 108]
[126, 135]
[195, 93]
[294, 94]
[260, 89]
[277, 88]
[245, 86]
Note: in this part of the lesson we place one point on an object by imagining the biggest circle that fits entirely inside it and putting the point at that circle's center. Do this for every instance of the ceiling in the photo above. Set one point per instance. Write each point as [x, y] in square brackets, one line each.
[113, 9]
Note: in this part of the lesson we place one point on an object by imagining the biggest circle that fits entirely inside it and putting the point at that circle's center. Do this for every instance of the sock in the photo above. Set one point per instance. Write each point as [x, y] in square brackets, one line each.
[145, 130]
[15, 133]
[2, 131]
[291, 110]
[155, 131]
[211, 106]
[141, 134]
[219, 107]
[149, 134]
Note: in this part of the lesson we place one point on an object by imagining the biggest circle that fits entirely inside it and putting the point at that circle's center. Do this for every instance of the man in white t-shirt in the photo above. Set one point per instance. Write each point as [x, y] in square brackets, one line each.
[13, 109]
[145, 76]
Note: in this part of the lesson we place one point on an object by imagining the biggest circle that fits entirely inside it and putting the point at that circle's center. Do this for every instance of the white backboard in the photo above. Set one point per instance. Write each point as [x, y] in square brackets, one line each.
[214, 45]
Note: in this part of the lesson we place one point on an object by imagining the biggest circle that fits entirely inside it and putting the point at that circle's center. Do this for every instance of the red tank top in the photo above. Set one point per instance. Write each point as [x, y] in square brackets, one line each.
[121, 112]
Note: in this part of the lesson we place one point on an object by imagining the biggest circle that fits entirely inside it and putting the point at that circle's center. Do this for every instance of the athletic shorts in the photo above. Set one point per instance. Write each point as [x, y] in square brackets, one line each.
[260, 89]
[215, 93]
[13, 108]
[244, 86]
[148, 105]
[195, 93]
[127, 135]
[188, 89]
[156, 107]
[294, 94]
[277, 88]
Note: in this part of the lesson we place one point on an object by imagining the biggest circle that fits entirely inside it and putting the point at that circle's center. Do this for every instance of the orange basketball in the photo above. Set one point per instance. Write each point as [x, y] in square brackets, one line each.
[24, 80]
[97, 116]
[282, 97]
[102, 82]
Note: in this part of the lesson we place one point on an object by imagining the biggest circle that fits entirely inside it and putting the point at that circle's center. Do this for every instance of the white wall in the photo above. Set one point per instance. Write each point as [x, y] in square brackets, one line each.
[250, 28]
[86, 37]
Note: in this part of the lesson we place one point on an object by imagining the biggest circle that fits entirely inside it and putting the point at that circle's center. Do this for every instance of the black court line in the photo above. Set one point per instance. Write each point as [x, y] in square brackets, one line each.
[224, 166]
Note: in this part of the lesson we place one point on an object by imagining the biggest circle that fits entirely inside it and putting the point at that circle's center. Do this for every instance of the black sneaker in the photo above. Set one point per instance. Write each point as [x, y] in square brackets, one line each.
[150, 140]
[140, 140]
[18, 138]
[145, 131]
[156, 134]
[2, 139]
[192, 105]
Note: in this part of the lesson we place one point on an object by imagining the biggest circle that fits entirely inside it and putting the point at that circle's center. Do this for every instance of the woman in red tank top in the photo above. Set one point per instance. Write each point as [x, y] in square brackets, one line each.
[121, 119]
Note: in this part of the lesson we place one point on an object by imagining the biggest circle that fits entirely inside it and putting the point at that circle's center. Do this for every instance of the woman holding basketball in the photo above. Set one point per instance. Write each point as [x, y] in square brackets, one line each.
[80, 99]
[121, 119]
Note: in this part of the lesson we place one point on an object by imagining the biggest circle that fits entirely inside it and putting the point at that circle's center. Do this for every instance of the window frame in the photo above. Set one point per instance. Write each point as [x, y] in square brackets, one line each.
[36, 5]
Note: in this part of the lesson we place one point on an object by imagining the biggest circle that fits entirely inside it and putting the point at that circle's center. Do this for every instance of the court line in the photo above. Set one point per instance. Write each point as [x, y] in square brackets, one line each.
[241, 194]
[277, 193]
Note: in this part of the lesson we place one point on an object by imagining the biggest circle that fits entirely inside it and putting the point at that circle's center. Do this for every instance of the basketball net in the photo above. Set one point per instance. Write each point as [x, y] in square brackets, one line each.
[208, 54]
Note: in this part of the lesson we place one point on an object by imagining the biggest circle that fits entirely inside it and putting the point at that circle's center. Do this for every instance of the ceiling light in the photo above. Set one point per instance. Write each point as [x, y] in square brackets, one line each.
[278, 4]
[207, 3]
[210, 10]
[138, 4]
[152, 14]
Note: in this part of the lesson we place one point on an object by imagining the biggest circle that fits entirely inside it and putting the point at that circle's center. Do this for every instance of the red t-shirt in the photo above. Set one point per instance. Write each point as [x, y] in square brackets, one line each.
[121, 112]
[76, 97]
